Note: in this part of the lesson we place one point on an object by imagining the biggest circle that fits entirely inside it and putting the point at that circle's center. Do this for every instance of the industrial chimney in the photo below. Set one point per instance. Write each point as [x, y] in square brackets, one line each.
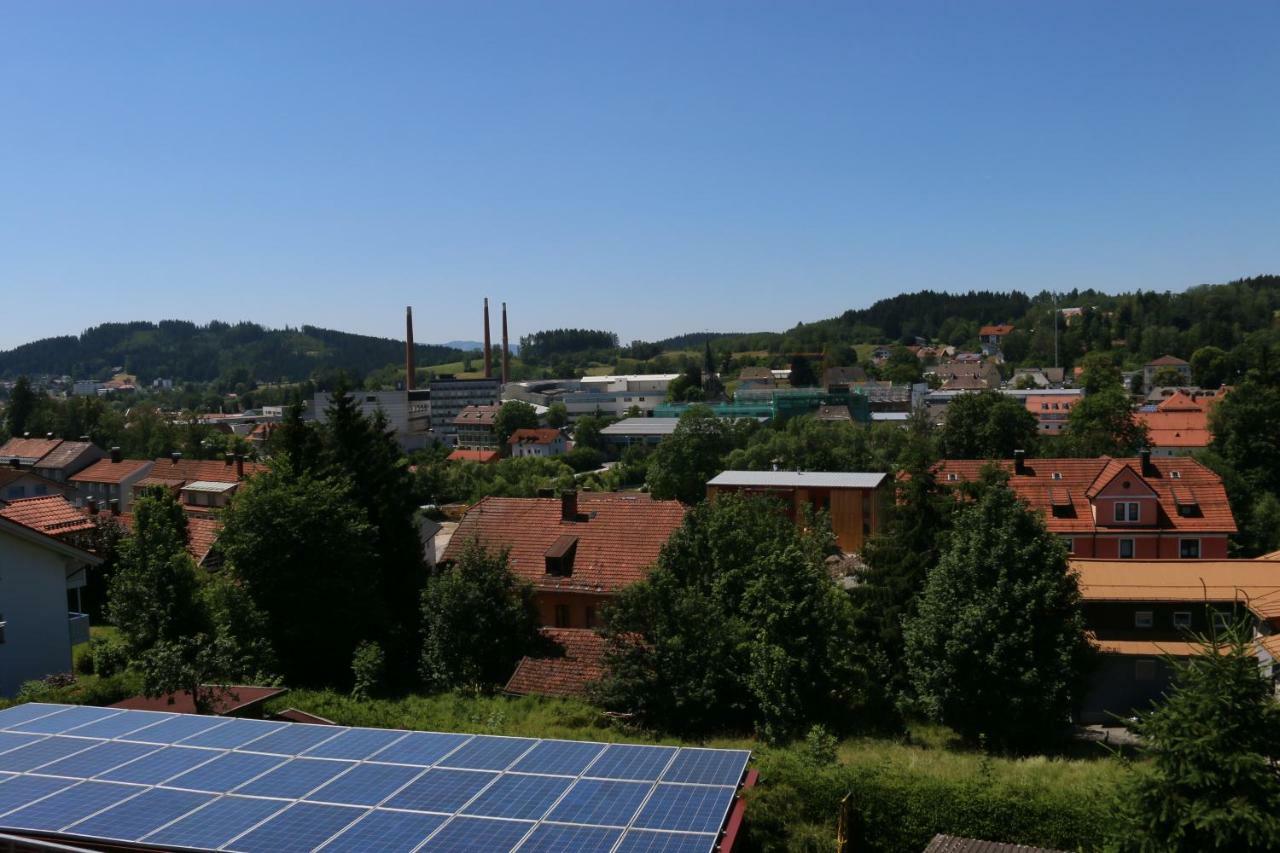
[408, 349]
[488, 350]
[506, 348]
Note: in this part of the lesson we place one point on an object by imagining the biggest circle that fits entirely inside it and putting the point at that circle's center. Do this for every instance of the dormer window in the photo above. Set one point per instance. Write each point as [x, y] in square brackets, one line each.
[951, 478]
[1057, 475]
[559, 557]
[1176, 475]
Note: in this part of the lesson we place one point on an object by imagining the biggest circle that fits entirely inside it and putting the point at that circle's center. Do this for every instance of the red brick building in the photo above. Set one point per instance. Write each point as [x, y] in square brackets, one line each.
[1135, 508]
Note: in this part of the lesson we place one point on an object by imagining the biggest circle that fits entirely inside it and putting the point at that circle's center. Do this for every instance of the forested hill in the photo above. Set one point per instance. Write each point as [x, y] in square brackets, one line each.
[181, 350]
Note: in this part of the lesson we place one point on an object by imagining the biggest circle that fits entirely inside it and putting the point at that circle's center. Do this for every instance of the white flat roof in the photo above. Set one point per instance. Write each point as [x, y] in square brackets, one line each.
[665, 377]
[208, 486]
[799, 479]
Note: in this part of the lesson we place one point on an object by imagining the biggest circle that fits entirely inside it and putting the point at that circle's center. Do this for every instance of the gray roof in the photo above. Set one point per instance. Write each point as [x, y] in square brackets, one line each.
[799, 479]
[642, 426]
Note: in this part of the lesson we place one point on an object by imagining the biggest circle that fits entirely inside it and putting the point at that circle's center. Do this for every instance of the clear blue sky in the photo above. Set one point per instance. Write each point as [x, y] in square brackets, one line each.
[647, 167]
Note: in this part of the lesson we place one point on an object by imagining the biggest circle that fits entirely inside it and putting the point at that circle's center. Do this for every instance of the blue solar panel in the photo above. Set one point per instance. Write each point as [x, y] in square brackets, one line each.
[134, 818]
[12, 740]
[686, 808]
[293, 739]
[708, 766]
[356, 744]
[485, 752]
[563, 757]
[98, 759]
[160, 765]
[366, 784]
[639, 841]
[176, 728]
[20, 790]
[475, 833]
[42, 752]
[299, 828]
[237, 733]
[226, 772]
[121, 724]
[441, 790]
[559, 838]
[607, 802]
[629, 761]
[423, 748]
[28, 711]
[295, 778]
[216, 823]
[68, 806]
[386, 832]
[63, 721]
[525, 797]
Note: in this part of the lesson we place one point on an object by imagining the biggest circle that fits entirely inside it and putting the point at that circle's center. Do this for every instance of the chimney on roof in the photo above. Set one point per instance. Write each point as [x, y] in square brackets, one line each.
[228, 458]
[91, 504]
[174, 457]
[506, 348]
[488, 350]
[569, 505]
[115, 506]
[1144, 455]
[409, 375]
[26, 435]
[49, 436]
[85, 439]
[1019, 461]
[116, 455]
[239, 466]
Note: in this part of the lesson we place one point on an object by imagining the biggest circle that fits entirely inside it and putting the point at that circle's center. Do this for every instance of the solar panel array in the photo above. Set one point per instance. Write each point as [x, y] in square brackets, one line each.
[190, 782]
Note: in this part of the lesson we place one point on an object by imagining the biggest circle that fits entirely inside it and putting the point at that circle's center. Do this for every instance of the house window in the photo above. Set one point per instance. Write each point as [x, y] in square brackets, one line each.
[1182, 619]
[1176, 475]
[1143, 619]
[1221, 619]
[1189, 549]
[1068, 541]
[562, 616]
[1126, 549]
[1057, 475]
[1126, 511]
[1144, 669]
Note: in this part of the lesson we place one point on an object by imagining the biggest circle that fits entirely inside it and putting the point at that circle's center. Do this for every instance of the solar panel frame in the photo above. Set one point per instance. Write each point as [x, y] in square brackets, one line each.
[232, 784]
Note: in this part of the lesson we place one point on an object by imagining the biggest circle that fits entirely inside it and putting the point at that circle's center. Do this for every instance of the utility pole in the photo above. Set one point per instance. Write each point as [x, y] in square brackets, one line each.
[1055, 330]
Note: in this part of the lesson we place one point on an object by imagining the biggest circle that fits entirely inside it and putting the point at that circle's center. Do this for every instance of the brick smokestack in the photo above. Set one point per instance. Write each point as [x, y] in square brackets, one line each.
[488, 349]
[506, 348]
[408, 349]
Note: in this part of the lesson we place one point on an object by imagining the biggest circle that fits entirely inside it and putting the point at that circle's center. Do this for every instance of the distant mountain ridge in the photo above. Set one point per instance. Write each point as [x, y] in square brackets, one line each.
[185, 351]
[477, 346]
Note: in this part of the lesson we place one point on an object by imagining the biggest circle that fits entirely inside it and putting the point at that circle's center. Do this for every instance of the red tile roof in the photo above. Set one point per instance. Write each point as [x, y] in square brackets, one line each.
[28, 448]
[232, 701]
[619, 537]
[582, 662]
[1167, 361]
[167, 471]
[52, 515]
[1081, 479]
[998, 329]
[67, 453]
[106, 471]
[476, 416]
[202, 531]
[1253, 582]
[474, 456]
[534, 436]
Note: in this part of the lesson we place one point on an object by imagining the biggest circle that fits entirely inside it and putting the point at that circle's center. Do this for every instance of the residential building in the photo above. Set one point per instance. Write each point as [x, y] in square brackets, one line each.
[481, 456]
[577, 551]
[756, 377]
[1142, 612]
[449, 396]
[67, 459]
[200, 485]
[537, 442]
[1164, 363]
[994, 335]
[842, 379]
[1134, 508]
[17, 483]
[1037, 377]
[111, 479]
[568, 674]
[37, 626]
[1178, 424]
[855, 502]
[474, 427]
[26, 451]
[52, 515]
[1051, 410]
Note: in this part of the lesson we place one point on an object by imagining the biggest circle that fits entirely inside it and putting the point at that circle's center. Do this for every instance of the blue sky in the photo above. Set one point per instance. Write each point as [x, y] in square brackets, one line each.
[647, 167]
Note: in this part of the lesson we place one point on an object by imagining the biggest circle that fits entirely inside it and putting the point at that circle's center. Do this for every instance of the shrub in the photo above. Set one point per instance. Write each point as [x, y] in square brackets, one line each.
[368, 669]
[820, 745]
[109, 655]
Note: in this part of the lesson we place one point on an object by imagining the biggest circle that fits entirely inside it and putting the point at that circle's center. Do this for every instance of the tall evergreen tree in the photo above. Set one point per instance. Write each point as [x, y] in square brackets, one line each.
[21, 408]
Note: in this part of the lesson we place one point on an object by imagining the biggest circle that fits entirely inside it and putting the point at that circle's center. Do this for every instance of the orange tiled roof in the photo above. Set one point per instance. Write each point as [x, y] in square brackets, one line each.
[1179, 421]
[106, 471]
[28, 448]
[1081, 479]
[202, 532]
[998, 329]
[525, 435]
[1166, 361]
[474, 456]
[52, 515]
[208, 470]
[568, 675]
[618, 537]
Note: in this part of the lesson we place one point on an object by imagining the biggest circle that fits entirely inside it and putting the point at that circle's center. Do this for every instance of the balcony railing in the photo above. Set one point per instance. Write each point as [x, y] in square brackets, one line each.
[78, 624]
